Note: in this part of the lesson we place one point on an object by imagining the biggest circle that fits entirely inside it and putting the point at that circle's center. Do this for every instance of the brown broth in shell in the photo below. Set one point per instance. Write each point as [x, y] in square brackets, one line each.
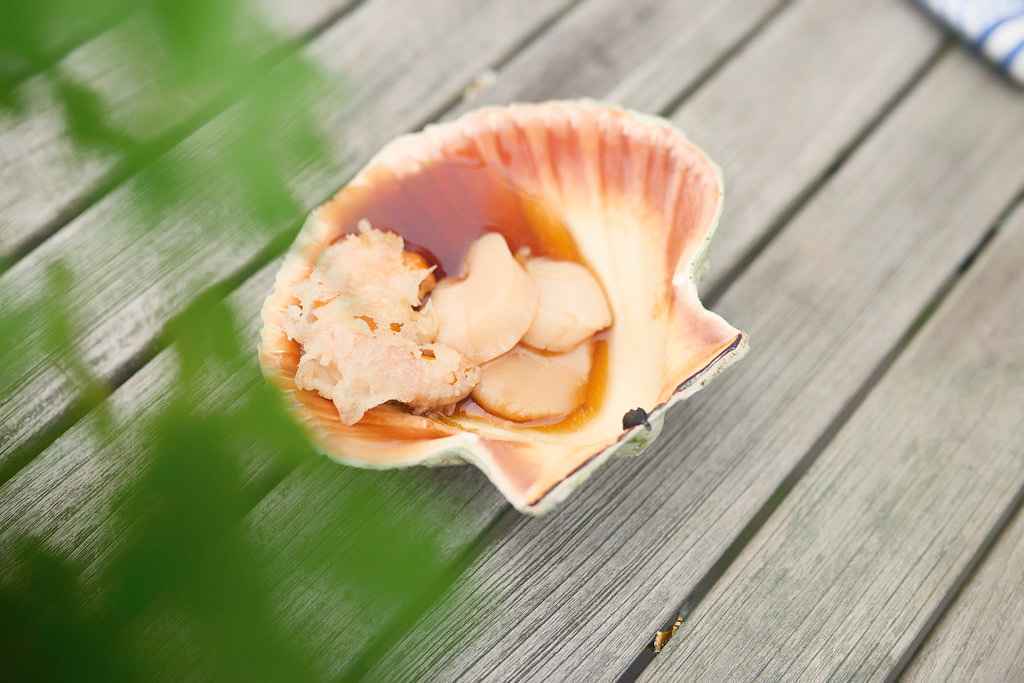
[440, 211]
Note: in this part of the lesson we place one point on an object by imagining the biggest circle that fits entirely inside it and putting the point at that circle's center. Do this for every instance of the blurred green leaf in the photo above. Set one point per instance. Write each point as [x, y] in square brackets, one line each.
[35, 35]
[48, 631]
[86, 118]
[187, 593]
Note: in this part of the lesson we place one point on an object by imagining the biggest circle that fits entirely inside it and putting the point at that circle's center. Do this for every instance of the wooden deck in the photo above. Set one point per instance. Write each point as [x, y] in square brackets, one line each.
[845, 503]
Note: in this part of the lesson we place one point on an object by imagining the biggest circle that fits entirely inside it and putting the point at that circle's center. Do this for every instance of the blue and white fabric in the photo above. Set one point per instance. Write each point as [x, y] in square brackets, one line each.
[995, 28]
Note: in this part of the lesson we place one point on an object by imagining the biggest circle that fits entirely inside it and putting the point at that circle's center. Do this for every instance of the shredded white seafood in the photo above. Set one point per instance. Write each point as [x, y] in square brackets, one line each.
[363, 341]
[366, 339]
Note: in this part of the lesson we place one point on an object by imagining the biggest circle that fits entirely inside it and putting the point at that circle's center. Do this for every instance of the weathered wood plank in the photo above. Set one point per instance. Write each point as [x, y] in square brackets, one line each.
[871, 92]
[42, 179]
[67, 494]
[847, 575]
[601, 45]
[290, 503]
[332, 620]
[981, 637]
[809, 106]
[582, 591]
[126, 291]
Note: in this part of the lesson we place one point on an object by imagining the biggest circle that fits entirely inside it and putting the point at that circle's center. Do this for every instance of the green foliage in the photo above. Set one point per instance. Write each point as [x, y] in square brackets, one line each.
[186, 562]
[48, 631]
[186, 557]
[35, 35]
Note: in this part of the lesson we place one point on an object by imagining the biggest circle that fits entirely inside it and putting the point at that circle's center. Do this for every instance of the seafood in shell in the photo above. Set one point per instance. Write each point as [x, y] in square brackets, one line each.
[542, 312]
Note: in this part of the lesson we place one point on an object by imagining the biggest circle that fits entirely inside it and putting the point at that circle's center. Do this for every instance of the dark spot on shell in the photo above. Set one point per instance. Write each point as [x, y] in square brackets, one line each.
[635, 418]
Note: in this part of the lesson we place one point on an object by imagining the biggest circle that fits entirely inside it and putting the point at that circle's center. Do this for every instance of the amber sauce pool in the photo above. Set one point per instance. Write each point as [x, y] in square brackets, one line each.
[441, 210]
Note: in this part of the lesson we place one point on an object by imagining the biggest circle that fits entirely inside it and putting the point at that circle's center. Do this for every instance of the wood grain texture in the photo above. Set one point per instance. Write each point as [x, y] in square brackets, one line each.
[601, 46]
[304, 545]
[555, 591]
[64, 499]
[67, 494]
[799, 109]
[42, 177]
[981, 636]
[578, 594]
[131, 279]
[846, 577]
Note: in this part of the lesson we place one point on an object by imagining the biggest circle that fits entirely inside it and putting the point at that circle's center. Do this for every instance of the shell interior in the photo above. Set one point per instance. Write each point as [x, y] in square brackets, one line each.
[624, 194]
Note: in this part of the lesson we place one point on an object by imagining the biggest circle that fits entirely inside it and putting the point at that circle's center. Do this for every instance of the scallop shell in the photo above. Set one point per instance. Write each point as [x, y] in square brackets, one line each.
[639, 201]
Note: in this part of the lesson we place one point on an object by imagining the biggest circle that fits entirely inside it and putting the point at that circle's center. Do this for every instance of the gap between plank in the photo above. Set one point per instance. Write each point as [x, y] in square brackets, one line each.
[1013, 509]
[459, 96]
[152, 149]
[718, 569]
[712, 69]
[400, 624]
[20, 458]
[796, 205]
[964, 578]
